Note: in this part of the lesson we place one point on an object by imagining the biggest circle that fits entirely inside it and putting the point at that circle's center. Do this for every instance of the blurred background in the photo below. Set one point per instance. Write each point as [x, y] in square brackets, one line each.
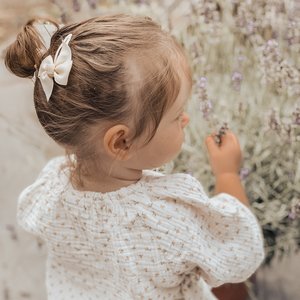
[25, 148]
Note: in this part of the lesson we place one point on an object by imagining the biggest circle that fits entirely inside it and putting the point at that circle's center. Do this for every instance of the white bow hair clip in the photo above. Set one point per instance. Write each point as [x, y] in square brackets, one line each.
[57, 69]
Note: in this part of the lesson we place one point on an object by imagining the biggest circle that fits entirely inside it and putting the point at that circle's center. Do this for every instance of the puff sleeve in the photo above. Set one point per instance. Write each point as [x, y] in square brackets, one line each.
[35, 209]
[218, 237]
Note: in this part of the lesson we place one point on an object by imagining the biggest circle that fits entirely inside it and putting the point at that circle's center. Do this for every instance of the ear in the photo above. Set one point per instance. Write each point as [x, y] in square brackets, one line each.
[116, 142]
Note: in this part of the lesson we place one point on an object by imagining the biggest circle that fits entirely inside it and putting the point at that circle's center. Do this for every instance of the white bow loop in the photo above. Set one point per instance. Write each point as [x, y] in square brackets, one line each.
[57, 69]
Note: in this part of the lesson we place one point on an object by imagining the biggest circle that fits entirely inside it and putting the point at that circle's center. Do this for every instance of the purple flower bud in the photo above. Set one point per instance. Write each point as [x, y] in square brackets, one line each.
[250, 27]
[206, 107]
[92, 3]
[296, 117]
[274, 124]
[202, 82]
[236, 79]
[295, 211]
[292, 215]
[244, 172]
[76, 5]
[272, 43]
[237, 76]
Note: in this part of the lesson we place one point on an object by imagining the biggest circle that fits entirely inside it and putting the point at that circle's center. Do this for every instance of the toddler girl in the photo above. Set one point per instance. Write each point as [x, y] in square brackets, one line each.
[112, 91]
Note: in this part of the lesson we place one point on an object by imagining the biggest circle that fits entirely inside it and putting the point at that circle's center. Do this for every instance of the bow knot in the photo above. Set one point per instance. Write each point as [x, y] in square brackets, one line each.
[49, 69]
[57, 69]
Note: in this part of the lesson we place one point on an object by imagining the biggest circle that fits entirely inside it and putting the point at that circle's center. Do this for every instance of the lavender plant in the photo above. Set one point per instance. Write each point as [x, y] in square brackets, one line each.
[245, 60]
[242, 45]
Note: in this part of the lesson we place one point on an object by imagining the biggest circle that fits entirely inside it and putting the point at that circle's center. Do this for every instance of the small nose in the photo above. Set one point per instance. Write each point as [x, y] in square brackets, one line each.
[185, 119]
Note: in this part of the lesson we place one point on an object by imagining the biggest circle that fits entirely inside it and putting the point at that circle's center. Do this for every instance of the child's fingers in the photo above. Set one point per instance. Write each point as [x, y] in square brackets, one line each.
[229, 137]
[210, 143]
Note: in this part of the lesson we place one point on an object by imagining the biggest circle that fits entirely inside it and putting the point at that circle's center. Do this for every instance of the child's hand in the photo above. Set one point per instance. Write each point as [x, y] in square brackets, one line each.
[224, 157]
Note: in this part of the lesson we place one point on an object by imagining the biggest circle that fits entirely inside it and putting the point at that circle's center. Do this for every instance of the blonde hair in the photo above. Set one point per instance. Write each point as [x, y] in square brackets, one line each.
[124, 68]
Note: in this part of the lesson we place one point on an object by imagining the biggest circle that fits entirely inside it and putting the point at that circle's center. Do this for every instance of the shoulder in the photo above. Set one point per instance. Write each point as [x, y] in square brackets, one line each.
[179, 182]
[54, 166]
[52, 169]
[210, 232]
[180, 187]
[47, 179]
[37, 202]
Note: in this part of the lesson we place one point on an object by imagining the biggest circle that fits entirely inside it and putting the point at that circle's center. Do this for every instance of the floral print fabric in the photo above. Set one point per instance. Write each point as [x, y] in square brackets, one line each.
[160, 238]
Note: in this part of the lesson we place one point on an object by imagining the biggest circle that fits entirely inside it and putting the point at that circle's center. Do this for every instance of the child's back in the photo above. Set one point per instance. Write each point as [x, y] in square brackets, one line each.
[112, 91]
[153, 239]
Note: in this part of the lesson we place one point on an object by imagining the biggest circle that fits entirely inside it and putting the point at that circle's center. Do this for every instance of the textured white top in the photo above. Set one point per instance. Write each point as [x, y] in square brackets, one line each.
[160, 238]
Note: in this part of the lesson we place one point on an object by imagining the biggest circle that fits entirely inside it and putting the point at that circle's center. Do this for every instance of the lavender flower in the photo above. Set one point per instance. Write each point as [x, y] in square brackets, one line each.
[295, 211]
[250, 27]
[92, 3]
[202, 82]
[274, 124]
[76, 5]
[205, 104]
[296, 116]
[277, 71]
[271, 51]
[293, 32]
[292, 215]
[244, 173]
[201, 88]
[236, 80]
[206, 107]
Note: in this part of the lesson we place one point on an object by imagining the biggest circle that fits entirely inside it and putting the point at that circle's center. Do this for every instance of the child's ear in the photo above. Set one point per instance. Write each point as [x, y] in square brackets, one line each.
[116, 142]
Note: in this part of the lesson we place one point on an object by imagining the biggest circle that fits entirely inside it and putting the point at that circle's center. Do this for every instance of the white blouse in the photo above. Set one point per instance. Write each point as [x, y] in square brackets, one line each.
[160, 238]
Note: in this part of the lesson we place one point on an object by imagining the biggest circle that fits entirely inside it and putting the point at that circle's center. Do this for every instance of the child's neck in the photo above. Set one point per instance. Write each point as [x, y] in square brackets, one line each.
[105, 182]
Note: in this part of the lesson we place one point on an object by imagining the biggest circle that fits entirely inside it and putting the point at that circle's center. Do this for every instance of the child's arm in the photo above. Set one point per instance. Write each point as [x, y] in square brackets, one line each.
[225, 160]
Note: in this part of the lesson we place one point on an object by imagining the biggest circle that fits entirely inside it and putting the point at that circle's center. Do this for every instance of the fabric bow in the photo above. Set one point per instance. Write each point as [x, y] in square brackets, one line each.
[57, 69]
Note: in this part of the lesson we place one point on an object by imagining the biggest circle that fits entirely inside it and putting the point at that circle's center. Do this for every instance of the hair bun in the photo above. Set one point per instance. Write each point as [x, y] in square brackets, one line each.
[23, 55]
